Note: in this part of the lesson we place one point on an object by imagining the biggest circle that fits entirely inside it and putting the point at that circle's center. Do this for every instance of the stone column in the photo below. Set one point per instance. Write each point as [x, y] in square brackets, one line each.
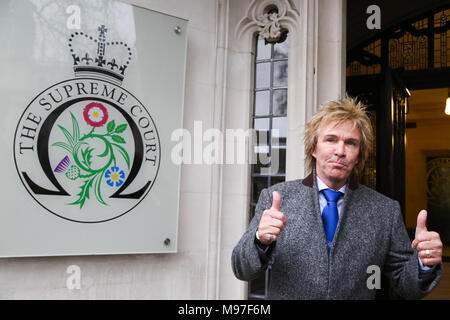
[316, 73]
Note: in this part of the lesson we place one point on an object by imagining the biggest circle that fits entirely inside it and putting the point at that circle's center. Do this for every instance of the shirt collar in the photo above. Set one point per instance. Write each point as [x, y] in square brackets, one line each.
[321, 186]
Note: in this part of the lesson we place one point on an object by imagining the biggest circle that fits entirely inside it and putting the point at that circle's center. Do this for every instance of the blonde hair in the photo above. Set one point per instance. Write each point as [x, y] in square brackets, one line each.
[344, 109]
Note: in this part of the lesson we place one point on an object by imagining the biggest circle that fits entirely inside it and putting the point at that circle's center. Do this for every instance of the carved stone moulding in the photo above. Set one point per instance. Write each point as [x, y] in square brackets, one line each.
[269, 18]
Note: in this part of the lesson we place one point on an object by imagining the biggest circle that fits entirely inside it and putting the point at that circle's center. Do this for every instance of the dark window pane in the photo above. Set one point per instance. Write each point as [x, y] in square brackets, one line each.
[280, 74]
[263, 50]
[280, 50]
[262, 75]
[280, 102]
[258, 184]
[262, 103]
[275, 180]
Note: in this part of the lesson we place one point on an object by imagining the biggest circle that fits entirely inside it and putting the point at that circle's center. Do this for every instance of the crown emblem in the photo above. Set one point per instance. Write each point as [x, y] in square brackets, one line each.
[97, 57]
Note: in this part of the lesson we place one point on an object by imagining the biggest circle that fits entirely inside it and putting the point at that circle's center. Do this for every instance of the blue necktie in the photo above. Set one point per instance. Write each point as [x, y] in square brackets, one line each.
[330, 215]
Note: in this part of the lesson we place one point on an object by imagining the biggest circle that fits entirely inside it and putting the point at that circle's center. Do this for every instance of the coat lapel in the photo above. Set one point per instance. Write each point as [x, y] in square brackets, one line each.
[343, 217]
[316, 214]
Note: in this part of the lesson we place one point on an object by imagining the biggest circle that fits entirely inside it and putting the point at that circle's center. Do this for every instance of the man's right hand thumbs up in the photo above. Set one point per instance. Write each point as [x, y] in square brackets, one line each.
[272, 221]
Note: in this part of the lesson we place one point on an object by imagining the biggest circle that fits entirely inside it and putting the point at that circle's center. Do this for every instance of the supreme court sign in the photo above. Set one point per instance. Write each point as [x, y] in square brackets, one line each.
[91, 92]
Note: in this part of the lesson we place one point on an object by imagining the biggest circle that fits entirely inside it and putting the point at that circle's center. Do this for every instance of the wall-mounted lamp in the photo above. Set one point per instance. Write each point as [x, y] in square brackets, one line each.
[447, 104]
[407, 102]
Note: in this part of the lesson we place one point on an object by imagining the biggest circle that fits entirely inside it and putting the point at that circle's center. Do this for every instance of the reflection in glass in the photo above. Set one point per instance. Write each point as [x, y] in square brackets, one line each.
[262, 103]
[280, 102]
[262, 75]
[280, 50]
[280, 73]
[262, 124]
[263, 51]
[279, 126]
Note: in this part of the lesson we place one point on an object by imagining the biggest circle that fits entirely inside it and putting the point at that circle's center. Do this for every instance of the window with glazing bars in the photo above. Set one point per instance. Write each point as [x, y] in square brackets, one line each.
[270, 125]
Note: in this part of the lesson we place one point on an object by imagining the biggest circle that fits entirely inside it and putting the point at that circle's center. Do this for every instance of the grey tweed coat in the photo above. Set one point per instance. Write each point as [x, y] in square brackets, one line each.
[370, 232]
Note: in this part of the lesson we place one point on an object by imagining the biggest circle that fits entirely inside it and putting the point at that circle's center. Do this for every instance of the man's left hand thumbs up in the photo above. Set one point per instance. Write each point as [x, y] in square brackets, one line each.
[427, 243]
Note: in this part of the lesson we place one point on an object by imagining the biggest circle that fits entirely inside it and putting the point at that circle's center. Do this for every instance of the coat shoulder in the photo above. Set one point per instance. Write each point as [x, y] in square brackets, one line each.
[372, 196]
[292, 192]
[288, 187]
[374, 203]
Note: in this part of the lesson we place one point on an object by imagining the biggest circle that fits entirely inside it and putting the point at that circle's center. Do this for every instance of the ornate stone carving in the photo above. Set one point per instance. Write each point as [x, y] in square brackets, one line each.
[269, 23]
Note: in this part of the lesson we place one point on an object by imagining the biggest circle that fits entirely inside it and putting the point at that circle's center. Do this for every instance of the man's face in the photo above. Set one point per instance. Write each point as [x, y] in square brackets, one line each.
[336, 152]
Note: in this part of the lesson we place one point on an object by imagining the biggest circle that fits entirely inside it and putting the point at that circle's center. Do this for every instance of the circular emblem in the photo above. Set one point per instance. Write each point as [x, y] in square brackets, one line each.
[87, 150]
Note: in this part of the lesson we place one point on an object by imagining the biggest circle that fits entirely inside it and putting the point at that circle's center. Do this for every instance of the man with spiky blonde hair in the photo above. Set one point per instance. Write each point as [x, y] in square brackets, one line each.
[323, 235]
[344, 110]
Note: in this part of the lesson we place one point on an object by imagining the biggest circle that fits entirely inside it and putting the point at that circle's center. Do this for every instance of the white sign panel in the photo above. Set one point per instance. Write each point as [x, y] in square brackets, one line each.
[91, 92]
